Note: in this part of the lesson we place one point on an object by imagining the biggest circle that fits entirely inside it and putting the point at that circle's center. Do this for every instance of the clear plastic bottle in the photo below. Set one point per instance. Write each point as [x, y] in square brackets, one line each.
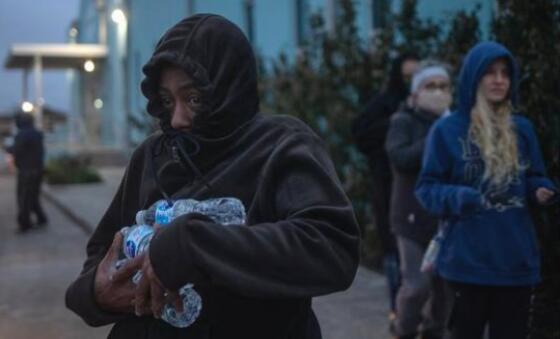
[136, 241]
[224, 211]
[430, 256]
[148, 216]
[192, 305]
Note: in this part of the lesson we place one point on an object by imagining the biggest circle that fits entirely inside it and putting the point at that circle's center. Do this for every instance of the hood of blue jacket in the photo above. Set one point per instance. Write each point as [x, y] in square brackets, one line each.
[475, 64]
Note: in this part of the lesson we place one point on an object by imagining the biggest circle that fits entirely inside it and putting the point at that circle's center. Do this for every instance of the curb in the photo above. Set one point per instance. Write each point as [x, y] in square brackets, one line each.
[77, 220]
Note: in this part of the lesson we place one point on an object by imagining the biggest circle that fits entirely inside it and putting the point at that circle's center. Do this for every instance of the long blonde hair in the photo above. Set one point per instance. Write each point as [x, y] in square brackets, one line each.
[491, 129]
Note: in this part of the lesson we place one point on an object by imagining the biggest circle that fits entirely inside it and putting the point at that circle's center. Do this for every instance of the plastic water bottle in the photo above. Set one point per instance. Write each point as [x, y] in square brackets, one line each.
[430, 256]
[225, 211]
[136, 241]
[148, 216]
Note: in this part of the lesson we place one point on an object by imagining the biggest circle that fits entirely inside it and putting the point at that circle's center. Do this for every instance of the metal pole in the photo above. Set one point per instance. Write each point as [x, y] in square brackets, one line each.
[330, 14]
[102, 22]
[25, 85]
[190, 7]
[38, 77]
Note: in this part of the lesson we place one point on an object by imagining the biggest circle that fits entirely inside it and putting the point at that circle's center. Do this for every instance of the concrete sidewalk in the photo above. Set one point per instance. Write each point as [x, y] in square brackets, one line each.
[358, 313]
[35, 270]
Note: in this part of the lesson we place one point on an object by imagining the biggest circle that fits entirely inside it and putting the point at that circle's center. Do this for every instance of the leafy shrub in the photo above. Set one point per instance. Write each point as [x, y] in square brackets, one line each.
[70, 169]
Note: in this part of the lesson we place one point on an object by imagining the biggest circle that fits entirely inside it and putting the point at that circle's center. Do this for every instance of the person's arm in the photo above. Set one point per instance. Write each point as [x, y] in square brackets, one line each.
[404, 153]
[369, 129]
[433, 190]
[18, 148]
[535, 172]
[82, 295]
[308, 247]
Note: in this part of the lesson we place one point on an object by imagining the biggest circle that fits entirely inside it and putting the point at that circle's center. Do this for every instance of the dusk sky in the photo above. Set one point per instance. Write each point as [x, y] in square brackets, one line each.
[34, 21]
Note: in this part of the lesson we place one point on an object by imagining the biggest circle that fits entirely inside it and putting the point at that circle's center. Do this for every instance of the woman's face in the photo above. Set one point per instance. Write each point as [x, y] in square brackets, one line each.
[496, 82]
[179, 97]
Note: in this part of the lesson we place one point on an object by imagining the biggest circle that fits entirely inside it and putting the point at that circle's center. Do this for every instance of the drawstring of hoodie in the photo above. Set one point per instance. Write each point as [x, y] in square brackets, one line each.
[176, 140]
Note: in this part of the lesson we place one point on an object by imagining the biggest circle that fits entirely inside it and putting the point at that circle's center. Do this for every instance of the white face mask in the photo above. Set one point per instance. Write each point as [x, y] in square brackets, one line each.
[433, 101]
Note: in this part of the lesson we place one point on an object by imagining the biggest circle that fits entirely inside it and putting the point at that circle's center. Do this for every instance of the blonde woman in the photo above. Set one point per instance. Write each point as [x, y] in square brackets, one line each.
[482, 167]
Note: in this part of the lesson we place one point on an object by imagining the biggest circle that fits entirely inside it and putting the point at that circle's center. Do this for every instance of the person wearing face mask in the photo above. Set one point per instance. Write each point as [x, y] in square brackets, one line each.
[430, 98]
[481, 171]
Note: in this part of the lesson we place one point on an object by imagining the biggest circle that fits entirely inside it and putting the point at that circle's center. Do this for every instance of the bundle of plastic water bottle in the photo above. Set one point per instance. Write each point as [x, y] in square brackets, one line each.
[224, 211]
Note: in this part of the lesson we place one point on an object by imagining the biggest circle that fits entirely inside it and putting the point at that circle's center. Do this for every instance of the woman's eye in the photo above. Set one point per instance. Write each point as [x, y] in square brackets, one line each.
[166, 102]
[193, 100]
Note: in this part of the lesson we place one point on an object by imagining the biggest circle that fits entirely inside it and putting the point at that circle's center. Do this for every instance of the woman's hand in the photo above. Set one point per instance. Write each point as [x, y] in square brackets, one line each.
[149, 295]
[114, 293]
[544, 195]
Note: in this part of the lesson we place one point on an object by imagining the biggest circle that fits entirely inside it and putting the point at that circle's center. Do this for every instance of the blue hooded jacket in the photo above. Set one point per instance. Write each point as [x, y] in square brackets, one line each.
[489, 235]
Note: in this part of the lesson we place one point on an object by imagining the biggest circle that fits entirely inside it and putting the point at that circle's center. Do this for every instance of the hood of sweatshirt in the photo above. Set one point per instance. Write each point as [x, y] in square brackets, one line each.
[23, 120]
[218, 57]
[475, 66]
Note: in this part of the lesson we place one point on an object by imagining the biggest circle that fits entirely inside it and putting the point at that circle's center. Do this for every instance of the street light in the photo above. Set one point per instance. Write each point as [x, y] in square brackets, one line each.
[98, 103]
[27, 107]
[89, 66]
[73, 32]
[118, 16]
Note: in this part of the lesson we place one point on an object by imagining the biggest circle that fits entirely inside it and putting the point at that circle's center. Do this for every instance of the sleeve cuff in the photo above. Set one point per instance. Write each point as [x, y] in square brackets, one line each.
[171, 254]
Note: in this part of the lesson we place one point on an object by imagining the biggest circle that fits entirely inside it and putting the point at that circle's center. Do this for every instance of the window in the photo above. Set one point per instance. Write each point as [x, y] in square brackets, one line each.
[190, 7]
[301, 15]
[249, 19]
[330, 15]
[379, 13]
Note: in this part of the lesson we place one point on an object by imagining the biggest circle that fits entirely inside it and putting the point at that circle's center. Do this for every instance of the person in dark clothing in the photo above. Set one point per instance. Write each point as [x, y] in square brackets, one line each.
[411, 224]
[256, 280]
[369, 130]
[28, 153]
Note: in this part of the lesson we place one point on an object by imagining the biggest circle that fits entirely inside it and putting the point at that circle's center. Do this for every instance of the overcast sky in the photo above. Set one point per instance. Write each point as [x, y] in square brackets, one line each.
[32, 21]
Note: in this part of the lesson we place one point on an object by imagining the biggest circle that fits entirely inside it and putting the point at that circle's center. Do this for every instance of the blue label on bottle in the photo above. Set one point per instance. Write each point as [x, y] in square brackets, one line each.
[163, 213]
[130, 249]
[134, 239]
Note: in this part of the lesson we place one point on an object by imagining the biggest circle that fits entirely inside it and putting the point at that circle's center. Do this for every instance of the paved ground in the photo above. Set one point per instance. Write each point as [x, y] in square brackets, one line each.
[35, 269]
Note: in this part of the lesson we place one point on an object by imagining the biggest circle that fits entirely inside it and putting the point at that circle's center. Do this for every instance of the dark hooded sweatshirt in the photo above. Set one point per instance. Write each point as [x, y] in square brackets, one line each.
[369, 130]
[301, 238]
[28, 150]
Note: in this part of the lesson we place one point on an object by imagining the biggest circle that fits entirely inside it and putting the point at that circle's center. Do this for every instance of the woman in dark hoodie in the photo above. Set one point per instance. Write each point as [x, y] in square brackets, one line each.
[256, 280]
[369, 130]
[482, 168]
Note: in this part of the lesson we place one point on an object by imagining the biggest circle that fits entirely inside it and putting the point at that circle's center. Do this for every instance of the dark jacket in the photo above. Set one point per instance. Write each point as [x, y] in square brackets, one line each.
[369, 130]
[405, 147]
[27, 150]
[301, 238]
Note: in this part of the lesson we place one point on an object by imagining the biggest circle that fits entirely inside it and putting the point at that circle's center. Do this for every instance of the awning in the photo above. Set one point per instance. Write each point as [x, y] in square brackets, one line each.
[54, 56]
[51, 118]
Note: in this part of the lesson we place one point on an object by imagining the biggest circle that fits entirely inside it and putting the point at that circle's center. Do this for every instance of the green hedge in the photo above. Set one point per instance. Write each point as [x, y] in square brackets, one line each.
[70, 169]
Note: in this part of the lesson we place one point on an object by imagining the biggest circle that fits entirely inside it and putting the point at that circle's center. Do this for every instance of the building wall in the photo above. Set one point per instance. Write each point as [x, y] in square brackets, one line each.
[147, 22]
[272, 26]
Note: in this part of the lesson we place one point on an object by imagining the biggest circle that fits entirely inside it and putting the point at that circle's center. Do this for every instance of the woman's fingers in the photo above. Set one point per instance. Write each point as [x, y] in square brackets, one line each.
[141, 296]
[128, 269]
[174, 298]
[544, 194]
[157, 299]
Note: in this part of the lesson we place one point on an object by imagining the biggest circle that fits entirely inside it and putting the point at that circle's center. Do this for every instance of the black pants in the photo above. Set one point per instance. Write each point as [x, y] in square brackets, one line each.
[504, 309]
[28, 191]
